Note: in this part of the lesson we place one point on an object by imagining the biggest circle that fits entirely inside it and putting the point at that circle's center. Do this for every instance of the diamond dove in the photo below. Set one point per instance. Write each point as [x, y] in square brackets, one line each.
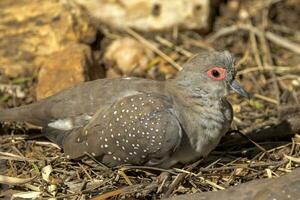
[139, 121]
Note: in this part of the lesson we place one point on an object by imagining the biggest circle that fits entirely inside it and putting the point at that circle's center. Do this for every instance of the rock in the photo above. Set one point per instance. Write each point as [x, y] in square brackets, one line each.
[127, 56]
[64, 69]
[285, 187]
[150, 15]
[37, 28]
[112, 73]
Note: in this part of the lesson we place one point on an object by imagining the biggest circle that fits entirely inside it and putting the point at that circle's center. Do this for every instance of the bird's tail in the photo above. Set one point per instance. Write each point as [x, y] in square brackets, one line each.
[22, 113]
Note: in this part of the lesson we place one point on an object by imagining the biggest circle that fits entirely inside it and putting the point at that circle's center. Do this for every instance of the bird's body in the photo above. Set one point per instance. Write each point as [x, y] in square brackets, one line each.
[137, 121]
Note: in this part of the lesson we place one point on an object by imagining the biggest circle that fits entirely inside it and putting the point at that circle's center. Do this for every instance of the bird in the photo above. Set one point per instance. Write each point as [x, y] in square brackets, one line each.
[138, 121]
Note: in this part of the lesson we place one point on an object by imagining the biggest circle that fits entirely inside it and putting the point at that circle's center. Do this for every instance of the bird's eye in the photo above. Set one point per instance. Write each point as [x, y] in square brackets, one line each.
[217, 73]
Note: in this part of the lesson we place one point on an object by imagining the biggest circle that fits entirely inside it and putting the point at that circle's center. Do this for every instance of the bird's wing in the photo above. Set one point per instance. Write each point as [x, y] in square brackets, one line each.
[79, 101]
[137, 129]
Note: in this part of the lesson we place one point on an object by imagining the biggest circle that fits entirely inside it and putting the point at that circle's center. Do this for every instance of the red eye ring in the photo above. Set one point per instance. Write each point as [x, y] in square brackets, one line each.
[217, 73]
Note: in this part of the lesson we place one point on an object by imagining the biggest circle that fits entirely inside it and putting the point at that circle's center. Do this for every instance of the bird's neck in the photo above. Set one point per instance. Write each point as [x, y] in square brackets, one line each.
[198, 111]
[190, 95]
[197, 101]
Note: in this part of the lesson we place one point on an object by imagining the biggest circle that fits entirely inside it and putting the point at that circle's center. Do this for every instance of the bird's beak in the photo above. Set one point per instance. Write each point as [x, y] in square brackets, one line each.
[239, 89]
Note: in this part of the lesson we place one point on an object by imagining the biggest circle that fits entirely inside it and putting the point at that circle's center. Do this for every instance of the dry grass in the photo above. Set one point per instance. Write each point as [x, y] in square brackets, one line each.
[267, 50]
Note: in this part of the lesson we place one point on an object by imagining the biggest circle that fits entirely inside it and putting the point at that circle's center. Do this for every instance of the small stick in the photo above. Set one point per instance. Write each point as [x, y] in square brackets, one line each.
[115, 193]
[268, 99]
[96, 161]
[169, 44]
[268, 61]
[256, 144]
[147, 167]
[179, 178]
[281, 41]
[174, 184]
[254, 165]
[122, 173]
[84, 170]
[11, 156]
[267, 68]
[153, 48]
[159, 189]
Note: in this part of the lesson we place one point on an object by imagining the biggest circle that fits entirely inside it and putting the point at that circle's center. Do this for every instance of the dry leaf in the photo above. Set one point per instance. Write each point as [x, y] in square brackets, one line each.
[13, 180]
[46, 171]
[27, 195]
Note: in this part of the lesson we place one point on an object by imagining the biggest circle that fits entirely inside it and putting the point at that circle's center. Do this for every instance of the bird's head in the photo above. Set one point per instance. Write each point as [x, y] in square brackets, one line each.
[210, 74]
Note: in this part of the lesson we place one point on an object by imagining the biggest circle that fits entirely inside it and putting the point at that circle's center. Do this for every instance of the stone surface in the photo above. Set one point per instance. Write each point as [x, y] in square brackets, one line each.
[32, 29]
[150, 15]
[64, 69]
[285, 187]
[128, 56]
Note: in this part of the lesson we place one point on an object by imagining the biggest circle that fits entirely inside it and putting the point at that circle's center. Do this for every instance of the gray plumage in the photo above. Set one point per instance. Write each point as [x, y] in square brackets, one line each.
[139, 121]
